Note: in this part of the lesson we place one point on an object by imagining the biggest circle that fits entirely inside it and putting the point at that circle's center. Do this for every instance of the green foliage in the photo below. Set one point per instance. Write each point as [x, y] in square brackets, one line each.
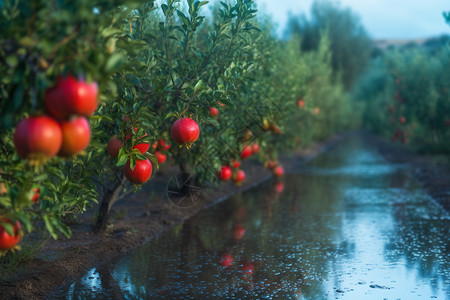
[350, 44]
[155, 64]
[406, 97]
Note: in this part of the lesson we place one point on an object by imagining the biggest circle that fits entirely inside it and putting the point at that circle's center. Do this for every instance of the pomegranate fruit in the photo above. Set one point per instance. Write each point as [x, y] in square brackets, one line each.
[185, 131]
[8, 241]
[38, 137]
[225, 173]
[238, 177]
[114, 145]
[141, 173]
[160, 157]
[71, 97]
[278, 171]
[76, 136]
[213, 112]
[246, 152]
[235, 164]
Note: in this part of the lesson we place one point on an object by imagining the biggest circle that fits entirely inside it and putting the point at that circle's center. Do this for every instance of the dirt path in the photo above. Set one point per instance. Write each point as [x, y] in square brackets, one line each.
[146, 214]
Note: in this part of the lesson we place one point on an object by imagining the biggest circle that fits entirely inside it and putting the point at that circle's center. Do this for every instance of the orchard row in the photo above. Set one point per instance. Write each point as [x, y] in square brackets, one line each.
[407, 98]
[95, 95]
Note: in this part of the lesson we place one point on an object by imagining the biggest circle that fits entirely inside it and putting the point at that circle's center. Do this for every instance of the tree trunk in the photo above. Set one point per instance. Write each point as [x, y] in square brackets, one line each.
[107, 202]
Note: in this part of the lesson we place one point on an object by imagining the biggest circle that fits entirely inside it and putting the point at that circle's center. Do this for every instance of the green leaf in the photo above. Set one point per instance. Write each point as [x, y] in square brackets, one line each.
[114, 62]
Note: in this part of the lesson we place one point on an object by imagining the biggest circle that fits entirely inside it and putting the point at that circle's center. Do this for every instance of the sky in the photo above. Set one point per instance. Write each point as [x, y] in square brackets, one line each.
[383, 19]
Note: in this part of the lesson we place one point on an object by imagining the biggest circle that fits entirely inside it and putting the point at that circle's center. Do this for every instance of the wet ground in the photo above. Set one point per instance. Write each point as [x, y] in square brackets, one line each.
[346, 226]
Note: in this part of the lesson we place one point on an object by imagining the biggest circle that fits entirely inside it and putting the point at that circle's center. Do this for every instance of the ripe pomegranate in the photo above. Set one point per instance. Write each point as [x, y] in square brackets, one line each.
[142, 147]
[161, 157]
[141, 173]
[185, 131]
[271, 164]
[301, 103]
[114, 146]
[71, 97]
[316, 110]
[225, 173]
[76, 136]
[246, 152]
[38, 137]
[163, 145]
[278, 171]
[213, 112]
[226, 260]
[8, 241]
[239, 177]
[238, 232]
[37, 193]
[402, 120]
[255, 148]
[235, 164]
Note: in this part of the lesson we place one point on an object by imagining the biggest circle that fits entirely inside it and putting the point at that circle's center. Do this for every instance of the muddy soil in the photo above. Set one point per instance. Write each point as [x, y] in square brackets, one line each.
[139, 217]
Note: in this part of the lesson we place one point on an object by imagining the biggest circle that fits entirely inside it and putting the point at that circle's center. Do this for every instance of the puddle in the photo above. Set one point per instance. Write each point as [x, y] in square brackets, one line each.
[346, 226]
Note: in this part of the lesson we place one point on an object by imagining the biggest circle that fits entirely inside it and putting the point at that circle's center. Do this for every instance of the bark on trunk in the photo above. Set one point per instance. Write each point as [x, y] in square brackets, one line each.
[107, 202]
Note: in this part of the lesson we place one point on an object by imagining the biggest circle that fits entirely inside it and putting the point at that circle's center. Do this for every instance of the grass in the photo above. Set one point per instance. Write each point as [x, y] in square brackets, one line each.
[17, 261]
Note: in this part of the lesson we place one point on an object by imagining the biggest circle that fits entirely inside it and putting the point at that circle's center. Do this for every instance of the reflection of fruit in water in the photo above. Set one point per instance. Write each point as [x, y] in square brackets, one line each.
[238, 232]
[279, 187]
[226, 260]
[247, 268]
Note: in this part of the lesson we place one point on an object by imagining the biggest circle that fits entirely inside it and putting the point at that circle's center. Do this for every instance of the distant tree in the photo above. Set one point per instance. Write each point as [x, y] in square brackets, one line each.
[349, 42]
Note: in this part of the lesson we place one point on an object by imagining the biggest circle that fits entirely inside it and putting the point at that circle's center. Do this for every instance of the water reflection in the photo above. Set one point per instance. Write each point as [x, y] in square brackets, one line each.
[347, 226]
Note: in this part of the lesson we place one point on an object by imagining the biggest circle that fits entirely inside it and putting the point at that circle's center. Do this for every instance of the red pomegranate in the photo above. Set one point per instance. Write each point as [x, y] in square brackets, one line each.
[225, 173]
[213, 112]
[114, 145]
[76, 136]
[185, 131]
[246, 152]
[38, 137]
[301, 103]
[141, 173]
[8, 241]
[71, 97]
[161, 157]
[255, 148]
[142, 147]
[278, 171]
[239, 177]
[235, 164]
[163, 145]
